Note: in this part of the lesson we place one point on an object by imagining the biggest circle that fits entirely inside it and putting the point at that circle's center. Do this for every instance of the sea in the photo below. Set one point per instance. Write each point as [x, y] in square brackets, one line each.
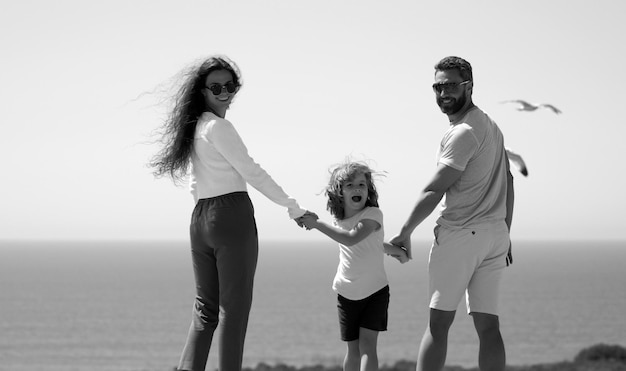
[126, 305]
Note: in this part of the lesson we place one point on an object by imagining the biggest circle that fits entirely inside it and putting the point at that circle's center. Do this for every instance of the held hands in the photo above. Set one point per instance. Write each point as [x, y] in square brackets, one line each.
[403, 257]
[404, 243]
[396, 252]
[308, 220]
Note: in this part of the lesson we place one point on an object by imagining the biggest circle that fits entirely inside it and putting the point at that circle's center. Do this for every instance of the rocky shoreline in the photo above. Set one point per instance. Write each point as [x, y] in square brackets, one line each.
[599, 357]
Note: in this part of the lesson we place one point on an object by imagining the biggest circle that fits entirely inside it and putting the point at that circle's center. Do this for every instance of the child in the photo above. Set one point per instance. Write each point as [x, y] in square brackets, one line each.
[361, 282]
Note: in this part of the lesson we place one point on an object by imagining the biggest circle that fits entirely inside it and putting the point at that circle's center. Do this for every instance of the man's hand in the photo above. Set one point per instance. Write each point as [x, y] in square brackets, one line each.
[509, 255]
[404, 242]
[402, 258]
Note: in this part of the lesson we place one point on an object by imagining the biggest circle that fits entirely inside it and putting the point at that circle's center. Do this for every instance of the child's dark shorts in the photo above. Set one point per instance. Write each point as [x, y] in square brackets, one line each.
[370, 313]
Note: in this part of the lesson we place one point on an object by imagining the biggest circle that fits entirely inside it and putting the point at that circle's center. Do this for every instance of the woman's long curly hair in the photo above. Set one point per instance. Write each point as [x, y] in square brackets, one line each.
[177, 133]
[338, 177]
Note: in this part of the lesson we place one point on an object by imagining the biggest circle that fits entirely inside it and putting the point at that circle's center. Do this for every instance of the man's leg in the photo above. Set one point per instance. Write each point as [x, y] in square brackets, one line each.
[491, 354]
[434, 346]
[482, 297]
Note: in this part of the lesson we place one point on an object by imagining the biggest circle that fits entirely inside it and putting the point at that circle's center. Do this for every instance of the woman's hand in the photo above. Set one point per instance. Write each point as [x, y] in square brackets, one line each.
[307, 220]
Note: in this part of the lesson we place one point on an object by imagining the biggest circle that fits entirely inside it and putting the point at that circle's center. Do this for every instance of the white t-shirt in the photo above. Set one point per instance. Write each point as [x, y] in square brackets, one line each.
[220, 164]
[474, 145]
[361, 270]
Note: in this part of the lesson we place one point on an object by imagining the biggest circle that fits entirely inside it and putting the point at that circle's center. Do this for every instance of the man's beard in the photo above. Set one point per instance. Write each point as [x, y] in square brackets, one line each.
[454, 107]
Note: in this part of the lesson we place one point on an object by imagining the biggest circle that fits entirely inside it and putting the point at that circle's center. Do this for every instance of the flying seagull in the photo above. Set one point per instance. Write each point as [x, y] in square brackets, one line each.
[525, 106]
[517, 162]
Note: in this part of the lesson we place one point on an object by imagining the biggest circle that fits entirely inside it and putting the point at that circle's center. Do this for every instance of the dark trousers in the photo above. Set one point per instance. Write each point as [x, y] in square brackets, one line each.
[224, 248]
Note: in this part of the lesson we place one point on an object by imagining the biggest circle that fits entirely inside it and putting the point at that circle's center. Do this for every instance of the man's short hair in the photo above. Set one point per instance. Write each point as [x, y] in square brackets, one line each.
[456, 63]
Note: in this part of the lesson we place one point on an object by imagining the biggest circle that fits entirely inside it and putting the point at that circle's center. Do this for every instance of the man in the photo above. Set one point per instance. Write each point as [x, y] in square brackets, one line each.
[471, 245]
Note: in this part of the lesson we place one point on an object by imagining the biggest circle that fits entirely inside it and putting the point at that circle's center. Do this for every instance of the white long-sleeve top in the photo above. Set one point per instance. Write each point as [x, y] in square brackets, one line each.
[220, 164]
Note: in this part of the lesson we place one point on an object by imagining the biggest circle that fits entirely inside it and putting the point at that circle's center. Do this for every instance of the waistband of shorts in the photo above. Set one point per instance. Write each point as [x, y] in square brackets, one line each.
[480, 226]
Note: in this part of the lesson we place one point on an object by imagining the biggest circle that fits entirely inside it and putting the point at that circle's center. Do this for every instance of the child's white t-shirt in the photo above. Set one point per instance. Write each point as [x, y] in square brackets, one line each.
[361, 270]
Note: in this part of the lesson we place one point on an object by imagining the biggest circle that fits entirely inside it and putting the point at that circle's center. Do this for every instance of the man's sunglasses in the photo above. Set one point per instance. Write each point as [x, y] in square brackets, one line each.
[448, 87]
[216, 89]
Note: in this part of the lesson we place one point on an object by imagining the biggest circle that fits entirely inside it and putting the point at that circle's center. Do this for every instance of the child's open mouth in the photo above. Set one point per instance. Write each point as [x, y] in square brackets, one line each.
[356, 198]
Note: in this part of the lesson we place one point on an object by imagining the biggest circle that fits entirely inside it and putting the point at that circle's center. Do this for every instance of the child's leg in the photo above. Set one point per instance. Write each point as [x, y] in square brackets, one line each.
[353, 356]
[349, 313]
[368, 340]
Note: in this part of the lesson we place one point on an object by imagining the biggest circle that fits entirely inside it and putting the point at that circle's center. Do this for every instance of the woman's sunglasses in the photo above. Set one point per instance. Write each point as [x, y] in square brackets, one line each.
[216, 89]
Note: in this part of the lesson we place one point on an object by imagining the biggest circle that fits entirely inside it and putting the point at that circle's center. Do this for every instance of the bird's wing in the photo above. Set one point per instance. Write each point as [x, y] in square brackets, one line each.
[556, 110]
[523, 105]
[527, 106]
[517, 161]
[513, 101]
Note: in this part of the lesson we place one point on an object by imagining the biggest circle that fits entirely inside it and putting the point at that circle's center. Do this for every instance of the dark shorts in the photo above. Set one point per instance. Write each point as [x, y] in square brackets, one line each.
[369, 313]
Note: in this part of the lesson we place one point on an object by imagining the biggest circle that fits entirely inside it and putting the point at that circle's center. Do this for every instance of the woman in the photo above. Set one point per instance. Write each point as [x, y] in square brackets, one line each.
[224, 244]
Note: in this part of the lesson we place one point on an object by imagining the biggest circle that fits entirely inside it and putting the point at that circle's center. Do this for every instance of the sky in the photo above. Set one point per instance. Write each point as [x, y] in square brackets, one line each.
[84, 85]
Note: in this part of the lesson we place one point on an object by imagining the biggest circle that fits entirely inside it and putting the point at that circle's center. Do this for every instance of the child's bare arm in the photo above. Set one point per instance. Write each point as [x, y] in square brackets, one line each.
[363, 229]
